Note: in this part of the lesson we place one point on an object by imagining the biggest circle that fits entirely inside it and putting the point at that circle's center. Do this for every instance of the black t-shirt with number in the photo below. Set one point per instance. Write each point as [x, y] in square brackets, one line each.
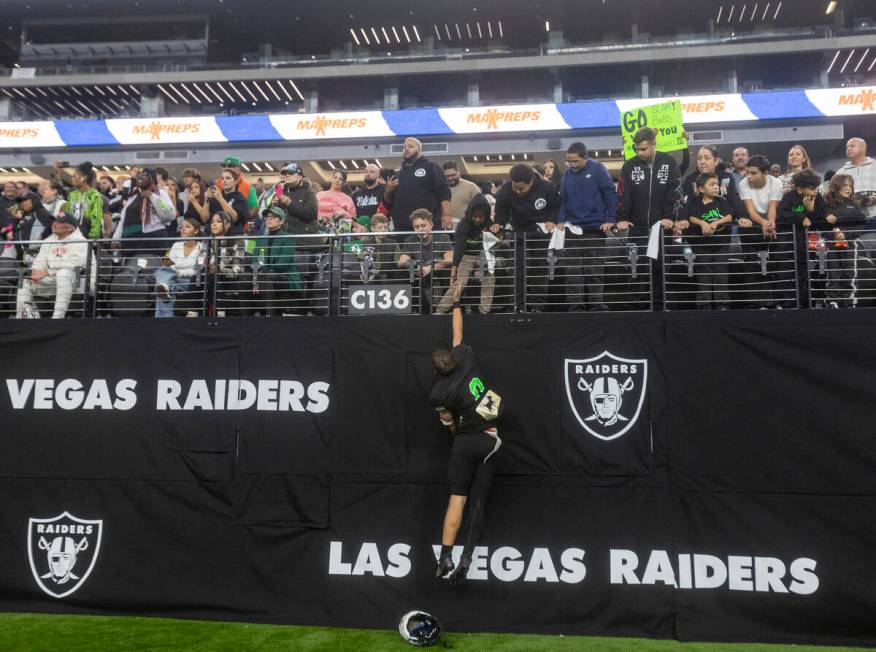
[466, 394]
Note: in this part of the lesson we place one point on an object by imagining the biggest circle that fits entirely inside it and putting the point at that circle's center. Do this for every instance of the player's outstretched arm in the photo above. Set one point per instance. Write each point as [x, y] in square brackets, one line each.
[457, 316]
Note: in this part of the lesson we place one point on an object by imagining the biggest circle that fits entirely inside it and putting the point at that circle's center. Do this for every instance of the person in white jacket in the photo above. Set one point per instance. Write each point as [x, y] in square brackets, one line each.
[54, 269]
[178, 267]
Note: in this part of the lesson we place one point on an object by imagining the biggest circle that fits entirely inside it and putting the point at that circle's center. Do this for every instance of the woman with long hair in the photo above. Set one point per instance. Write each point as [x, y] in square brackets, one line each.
[847, 219]
[798, 160]
[334, 204]
[178, 267]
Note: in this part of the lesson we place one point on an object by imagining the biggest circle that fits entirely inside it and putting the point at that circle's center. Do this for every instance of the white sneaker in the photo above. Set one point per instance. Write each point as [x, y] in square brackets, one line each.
[192, 314]
[220, 313]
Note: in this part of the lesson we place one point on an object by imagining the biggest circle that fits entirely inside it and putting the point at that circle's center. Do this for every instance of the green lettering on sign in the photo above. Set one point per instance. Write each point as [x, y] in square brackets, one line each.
[476, 387]
[665, 118]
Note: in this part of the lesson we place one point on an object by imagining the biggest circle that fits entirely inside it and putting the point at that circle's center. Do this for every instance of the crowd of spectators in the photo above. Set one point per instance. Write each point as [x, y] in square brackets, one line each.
[189, 220]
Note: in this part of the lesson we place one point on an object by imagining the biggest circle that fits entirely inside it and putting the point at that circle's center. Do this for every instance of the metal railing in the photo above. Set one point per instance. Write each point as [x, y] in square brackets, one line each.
[730, 269]
[409, 273]
[841, 268]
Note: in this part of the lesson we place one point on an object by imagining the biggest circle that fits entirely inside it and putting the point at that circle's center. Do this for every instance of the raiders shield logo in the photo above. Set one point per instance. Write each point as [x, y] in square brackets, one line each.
[62, 552]
[606, 393]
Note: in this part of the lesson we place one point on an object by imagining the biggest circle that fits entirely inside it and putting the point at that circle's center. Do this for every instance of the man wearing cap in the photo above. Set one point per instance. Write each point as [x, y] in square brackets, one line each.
[53, 271]
[278, 273]
[243, 186]
[298, 200]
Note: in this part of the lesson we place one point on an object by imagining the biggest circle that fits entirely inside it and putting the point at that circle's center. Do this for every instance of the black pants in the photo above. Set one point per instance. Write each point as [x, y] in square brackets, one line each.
[470, 472]
[750, 281]
[584, 259]
[788, 267]
[710, 268]
[842, 274]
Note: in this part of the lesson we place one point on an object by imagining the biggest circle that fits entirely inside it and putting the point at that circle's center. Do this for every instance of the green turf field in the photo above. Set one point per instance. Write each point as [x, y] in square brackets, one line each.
[35, 633]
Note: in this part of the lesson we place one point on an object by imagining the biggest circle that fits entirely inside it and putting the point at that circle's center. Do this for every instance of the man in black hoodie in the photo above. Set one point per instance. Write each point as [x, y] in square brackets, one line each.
[468, 243]
[649, 186]
[421, 184]
[525, 201]
[649, 193]
[800, 208]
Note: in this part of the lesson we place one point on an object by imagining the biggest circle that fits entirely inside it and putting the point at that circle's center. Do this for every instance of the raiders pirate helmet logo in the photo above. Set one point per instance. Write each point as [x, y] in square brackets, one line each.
[62, 552]
[606, 393]
[540, 203]
[420, 172]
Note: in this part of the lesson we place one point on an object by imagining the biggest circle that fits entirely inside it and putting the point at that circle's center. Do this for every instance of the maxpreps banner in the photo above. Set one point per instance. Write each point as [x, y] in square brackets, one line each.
[291, 127]
[292, 471]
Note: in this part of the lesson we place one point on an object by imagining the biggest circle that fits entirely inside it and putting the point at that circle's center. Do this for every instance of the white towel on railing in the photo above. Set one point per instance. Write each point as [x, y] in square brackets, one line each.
[654, 241]
[558, 237]
[490, 241]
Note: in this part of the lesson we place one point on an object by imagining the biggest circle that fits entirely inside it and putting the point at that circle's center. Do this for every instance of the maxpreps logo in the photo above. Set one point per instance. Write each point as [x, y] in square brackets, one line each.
[492, 118]
[19, 133]
[62, 551]
[320, 123]
[866, 98]
[155, 129]
[606, 393]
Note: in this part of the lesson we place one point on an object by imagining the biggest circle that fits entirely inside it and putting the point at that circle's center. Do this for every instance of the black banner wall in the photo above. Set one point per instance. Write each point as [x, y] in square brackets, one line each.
[697, 476]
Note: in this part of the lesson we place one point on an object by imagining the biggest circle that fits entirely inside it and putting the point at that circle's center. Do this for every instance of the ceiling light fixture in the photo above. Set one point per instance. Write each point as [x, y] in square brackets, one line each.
[168, 95]
[833, 61]
[297, 92]
[831, 7]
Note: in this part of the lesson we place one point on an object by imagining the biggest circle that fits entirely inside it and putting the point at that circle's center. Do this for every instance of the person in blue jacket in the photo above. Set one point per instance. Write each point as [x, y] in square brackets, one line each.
[588, 202]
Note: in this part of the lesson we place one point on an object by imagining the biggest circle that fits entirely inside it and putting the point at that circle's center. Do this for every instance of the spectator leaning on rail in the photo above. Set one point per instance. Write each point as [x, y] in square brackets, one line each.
[433, 252]
[54, 269]
[706, 213]
[462, 191]
[760, 193]
[649, 185]
[845, 218]
[421, 184]
[468, 244]
[523, 202]
[801, 206]
[178, 267]
[227, 263]
[588, 201]
[862, 169]
[278, 273]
